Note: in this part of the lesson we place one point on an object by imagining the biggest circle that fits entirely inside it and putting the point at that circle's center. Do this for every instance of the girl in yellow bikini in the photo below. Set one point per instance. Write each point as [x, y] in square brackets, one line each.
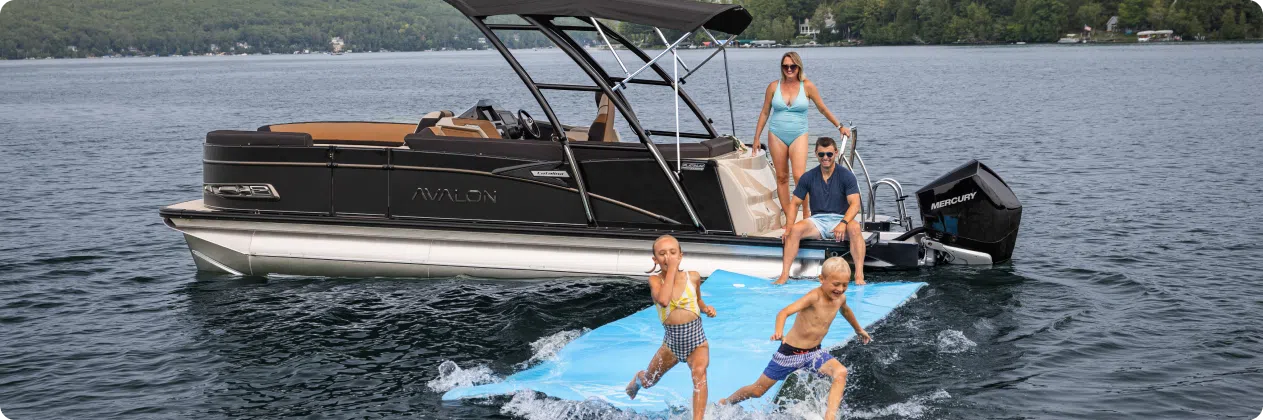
[678, 296]
[786, 101]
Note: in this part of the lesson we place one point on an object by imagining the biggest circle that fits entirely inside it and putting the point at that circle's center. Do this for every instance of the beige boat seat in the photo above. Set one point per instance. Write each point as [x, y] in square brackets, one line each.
[483, 129]
[602, 128]
[574, 133]
[453, 131]
[428, 120]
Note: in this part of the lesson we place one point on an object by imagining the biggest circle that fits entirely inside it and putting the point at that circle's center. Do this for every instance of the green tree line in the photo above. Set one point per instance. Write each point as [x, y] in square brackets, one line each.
[981, 21]
[82, 28]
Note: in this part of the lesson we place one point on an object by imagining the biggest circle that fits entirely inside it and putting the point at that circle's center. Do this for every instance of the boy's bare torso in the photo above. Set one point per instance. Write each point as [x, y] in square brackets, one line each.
[812, 323]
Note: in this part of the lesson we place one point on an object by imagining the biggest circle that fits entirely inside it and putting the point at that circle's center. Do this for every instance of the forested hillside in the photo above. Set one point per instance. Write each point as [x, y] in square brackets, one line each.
[81, 28]
[40, 28]
[949, 21]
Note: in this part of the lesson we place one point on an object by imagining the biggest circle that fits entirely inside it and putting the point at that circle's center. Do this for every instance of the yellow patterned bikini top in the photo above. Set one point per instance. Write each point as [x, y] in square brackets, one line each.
[687, 300]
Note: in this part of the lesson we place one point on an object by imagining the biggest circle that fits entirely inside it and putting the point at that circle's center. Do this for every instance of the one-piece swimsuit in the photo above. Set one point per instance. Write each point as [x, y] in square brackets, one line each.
[789, 120]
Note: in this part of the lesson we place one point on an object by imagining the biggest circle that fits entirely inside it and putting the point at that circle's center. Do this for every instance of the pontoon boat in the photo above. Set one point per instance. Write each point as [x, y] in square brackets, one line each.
[494, 193]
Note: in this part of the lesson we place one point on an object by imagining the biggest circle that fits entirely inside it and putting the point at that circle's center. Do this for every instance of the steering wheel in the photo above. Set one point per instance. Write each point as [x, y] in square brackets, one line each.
[530, 129]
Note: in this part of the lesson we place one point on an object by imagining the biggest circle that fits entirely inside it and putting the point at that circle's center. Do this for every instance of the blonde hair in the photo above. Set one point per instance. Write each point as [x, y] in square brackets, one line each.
[835, 265]
[798, 61]
[657, 268]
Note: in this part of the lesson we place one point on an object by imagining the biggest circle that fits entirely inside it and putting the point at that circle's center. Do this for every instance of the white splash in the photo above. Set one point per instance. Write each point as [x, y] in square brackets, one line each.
[952, 341]
[886, 359]
[983, 325]
[546, 348]
[914, 408]
[811, 404]
[452, 376]
[531, 405]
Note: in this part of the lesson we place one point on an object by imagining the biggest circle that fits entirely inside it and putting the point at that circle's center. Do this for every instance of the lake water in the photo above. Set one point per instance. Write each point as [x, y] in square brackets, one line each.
[1133, 292]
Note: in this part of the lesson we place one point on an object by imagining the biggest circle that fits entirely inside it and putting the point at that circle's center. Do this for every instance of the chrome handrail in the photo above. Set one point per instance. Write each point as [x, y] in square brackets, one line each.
[855, 154]
[904, 220]
[867, 179]
[855, 136]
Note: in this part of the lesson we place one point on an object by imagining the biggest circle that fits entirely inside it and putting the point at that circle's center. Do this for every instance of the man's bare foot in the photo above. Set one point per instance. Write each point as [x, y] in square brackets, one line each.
[859, 278]
[782, 279]
[634, 387]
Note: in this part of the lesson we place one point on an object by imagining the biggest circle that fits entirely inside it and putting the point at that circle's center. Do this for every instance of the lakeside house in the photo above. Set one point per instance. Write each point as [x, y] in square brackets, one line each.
[805, 28]
[1112, 25]
[337, 43]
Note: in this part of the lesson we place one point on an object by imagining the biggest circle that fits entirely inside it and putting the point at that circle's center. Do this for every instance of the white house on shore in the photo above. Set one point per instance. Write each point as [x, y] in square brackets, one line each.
[807, 29]
[337, 43]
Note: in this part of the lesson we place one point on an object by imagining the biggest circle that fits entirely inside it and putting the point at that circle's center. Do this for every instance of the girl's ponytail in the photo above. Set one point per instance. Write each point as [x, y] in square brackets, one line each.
[655, 270]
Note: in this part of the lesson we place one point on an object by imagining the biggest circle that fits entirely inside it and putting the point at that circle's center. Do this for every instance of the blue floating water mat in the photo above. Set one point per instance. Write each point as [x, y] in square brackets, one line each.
[600, 363]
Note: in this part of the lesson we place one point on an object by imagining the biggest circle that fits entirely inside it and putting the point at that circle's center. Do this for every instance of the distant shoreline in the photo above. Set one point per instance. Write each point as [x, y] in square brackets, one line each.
[990, 44]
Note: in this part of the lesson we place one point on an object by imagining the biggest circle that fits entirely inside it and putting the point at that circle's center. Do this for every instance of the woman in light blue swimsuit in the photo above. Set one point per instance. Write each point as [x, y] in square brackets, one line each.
[787, 131]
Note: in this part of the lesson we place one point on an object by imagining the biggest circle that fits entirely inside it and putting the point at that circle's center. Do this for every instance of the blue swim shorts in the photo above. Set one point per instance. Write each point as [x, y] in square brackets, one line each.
[825, 223]
[789, 359]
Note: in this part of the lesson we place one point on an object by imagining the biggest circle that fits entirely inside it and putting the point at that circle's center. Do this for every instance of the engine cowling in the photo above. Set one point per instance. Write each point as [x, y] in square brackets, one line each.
[972, 208]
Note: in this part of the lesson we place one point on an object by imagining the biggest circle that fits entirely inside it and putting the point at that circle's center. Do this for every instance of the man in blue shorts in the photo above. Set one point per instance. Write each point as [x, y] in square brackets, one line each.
[835, 209]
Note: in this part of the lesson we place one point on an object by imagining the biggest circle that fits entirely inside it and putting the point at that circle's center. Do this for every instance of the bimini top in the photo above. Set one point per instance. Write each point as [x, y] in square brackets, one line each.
[672, 14]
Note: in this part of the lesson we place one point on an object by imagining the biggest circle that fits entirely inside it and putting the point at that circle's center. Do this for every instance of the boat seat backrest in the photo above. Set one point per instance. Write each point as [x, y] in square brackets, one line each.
[348, 132]
[485, 129]
[707, 149]
[577, 133]
[453, 131]
[488, 127]
[432, 141]
[257, 138]
[602, 128]
[432, 118]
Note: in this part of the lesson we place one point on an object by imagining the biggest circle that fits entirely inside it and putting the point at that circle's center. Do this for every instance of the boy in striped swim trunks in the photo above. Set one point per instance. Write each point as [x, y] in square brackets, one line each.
[801, 348]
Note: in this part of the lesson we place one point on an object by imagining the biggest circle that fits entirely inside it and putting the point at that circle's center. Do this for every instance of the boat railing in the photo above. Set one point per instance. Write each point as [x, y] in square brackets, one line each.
[870, 211]
[854, 156]
[904, 220]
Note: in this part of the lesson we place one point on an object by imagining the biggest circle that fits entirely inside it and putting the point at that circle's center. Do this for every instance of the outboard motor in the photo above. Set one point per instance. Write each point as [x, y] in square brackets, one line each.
[970, 216]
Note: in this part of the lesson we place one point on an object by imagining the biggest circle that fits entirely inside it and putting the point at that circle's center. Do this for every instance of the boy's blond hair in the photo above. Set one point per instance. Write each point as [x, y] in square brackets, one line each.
[835, 265]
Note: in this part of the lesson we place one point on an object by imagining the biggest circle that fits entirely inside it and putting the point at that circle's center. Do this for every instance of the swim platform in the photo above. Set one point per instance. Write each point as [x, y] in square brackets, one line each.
[599, 364]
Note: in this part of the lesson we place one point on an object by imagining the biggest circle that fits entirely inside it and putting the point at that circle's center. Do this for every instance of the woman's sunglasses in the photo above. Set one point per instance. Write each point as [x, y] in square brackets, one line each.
[789, 67]
[825, 155]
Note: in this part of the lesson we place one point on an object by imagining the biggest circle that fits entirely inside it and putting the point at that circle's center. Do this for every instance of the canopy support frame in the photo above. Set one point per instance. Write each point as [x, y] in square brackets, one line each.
[495, 41]
[598, 76]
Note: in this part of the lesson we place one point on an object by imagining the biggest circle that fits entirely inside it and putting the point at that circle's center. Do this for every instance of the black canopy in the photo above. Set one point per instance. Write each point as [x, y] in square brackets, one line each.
[684, 15]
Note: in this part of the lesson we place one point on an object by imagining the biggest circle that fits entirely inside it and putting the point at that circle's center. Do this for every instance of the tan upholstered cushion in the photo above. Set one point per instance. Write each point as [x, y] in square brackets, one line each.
[487, 127]
[349, 131]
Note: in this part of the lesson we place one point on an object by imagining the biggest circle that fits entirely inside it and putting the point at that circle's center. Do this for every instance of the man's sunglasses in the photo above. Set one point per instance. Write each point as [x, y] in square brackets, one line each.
[825, 155]
[790, 67]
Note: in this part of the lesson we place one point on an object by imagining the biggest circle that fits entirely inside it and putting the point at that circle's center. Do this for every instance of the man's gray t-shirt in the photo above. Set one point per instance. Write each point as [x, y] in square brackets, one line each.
[827, 197]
